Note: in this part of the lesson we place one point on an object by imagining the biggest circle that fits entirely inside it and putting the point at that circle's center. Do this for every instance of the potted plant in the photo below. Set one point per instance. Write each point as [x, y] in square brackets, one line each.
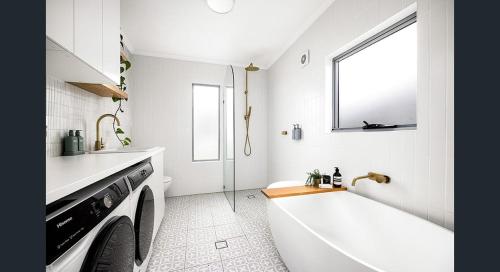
[314, 178]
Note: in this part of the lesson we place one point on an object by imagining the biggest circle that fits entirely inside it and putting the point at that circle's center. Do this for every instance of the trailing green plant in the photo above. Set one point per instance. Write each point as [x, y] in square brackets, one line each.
[124, 66]
[315, 174]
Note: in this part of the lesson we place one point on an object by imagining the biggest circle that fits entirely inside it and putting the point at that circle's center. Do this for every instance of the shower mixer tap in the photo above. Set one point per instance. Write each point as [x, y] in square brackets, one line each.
[248, 110]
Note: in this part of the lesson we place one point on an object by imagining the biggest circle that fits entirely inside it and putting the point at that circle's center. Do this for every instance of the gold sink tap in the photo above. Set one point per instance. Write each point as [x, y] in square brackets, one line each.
[98, 142]
[379, 178]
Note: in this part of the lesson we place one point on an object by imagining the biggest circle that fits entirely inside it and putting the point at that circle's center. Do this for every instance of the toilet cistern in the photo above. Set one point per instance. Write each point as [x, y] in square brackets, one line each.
[167, 181]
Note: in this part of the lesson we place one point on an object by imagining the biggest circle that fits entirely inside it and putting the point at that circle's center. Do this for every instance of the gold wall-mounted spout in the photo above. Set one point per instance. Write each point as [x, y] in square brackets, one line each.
[379, 178]
[98, 142]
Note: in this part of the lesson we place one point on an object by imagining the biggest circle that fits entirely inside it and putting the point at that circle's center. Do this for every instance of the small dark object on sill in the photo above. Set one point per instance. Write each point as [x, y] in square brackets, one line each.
[377, 126]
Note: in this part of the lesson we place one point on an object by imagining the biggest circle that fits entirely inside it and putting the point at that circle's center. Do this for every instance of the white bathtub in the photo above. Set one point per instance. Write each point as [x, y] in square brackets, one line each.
[345, 232]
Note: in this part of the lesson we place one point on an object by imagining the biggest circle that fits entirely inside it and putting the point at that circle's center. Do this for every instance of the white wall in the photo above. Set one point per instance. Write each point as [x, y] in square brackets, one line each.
[420, 162]
[162, 117]
[251, 172]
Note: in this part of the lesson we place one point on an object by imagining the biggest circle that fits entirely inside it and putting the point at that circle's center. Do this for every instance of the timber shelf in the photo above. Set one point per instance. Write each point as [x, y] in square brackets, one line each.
[297, 191]
[105, 90]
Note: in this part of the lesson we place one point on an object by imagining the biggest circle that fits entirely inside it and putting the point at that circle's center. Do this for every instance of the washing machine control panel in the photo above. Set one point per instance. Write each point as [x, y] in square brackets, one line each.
[68, 227]
[138, 176]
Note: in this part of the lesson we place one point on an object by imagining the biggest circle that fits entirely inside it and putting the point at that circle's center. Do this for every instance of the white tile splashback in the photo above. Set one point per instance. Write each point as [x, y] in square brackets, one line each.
[69, 107]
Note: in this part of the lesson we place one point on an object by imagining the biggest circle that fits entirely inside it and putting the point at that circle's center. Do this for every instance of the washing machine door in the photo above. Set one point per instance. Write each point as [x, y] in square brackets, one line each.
[144, 223]
[113, 249]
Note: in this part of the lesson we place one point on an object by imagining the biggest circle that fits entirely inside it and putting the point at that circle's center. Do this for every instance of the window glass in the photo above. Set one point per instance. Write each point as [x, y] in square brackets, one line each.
[205, 122]
[378, 83]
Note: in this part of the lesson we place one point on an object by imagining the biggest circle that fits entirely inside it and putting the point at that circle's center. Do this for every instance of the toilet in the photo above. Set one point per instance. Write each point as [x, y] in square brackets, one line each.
[167, 181]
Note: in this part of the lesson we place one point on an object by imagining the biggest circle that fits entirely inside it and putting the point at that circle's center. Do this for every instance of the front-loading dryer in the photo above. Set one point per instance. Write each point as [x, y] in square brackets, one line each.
[142, 212]
[91, 229]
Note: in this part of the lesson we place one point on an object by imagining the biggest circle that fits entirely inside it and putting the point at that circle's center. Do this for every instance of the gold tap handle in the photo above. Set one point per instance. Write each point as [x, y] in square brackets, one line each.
[379, 178]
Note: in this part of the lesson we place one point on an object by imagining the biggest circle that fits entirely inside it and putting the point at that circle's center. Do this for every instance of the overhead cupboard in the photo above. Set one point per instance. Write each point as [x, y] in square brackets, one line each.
[87, 32]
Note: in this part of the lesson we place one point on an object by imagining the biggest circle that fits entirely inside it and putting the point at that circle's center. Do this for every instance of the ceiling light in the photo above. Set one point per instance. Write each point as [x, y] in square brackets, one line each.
[221, 6]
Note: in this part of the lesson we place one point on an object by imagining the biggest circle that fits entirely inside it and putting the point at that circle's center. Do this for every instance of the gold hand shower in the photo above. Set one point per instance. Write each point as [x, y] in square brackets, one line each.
[248, 109]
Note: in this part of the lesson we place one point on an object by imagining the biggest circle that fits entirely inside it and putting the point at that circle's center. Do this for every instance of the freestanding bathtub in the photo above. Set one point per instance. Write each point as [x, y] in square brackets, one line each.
[345, 232]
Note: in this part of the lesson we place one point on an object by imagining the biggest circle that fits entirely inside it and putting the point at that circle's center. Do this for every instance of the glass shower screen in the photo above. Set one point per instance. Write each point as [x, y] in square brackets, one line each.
[228, 137]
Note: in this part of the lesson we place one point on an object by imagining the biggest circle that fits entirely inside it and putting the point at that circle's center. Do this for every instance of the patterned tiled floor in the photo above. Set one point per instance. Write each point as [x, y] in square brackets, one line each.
[192, 225]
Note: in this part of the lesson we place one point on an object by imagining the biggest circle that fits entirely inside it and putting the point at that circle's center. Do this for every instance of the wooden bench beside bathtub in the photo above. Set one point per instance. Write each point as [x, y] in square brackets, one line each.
[297, 190]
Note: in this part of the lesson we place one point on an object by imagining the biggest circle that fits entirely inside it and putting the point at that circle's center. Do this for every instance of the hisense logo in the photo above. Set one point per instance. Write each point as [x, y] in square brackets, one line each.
[60, 224]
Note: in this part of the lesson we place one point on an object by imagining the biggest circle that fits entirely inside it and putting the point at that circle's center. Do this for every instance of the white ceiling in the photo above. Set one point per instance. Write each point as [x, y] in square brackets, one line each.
[256, 31]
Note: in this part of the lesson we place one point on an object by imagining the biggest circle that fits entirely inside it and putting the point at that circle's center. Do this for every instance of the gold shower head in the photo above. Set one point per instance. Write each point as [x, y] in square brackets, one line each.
[251, 68]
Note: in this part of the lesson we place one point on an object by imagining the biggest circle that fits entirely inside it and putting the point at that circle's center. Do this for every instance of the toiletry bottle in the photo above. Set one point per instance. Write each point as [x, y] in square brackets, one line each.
[70, 144]
[297, 132]
[80, 141]
[337, 178]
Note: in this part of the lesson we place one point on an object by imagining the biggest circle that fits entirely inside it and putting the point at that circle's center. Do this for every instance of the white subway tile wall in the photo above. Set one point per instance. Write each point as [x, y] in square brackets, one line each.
[420, 162]
[69, 107]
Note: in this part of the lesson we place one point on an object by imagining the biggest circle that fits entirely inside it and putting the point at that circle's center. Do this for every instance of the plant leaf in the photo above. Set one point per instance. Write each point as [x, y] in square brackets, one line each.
[119, 131]
[127, 64]
[122, 69]
[128, 139]
[115, 99]
[125, 143]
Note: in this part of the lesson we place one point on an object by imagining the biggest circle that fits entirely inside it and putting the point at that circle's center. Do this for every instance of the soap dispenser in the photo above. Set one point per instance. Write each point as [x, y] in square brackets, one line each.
[70, 144]
[80, 142]
[296, 132]
[337, 178]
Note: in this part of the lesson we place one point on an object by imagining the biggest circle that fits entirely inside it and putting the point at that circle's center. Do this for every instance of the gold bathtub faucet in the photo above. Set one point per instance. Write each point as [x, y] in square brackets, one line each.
[98, 142]
[379, 178]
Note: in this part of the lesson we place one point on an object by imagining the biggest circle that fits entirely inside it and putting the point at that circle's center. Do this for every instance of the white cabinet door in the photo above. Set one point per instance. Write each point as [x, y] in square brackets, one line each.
[111, 39]
[88, 32]
[59, 22]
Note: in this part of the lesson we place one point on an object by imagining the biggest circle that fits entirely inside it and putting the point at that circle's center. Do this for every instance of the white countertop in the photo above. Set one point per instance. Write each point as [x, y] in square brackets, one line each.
[68, 174]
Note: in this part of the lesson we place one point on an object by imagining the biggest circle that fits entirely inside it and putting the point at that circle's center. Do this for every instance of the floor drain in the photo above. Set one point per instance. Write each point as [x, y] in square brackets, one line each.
[250, 196]
[220, 244]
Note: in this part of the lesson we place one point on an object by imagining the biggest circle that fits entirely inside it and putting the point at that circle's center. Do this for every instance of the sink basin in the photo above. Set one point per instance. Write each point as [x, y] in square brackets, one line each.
[123, 150]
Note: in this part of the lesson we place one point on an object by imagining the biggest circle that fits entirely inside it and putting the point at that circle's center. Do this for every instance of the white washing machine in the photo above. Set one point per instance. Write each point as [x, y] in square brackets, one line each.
[142, 207]
[91, 230]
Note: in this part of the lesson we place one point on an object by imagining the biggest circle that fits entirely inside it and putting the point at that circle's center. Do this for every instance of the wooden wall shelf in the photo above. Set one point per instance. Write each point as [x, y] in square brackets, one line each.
[298, 190]
[105, 90]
